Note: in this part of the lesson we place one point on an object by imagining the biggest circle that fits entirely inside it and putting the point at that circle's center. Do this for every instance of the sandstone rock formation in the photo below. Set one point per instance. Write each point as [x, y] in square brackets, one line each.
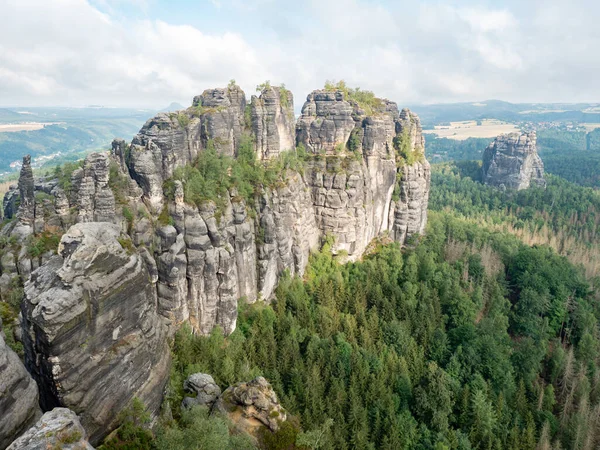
[273, 122]
[252, 406]
[92, 336]
[512, 162]
[19, 408]
[135, 263]
[95, 199]
[204, 386]
[57, 429]
[354, 184]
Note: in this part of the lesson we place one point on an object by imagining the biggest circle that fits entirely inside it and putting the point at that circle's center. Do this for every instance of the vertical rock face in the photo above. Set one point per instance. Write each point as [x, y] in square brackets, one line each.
[91, 333]
[252, 406]
[273, 122]
[222, 112]
[26, 212]
[171, 140]
[57, 429]
[512, 162]
[354, 180]
[18, 396]
[95, 200]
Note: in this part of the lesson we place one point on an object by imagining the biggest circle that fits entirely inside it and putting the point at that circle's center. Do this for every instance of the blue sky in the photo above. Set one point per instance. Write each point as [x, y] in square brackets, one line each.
[149, 53]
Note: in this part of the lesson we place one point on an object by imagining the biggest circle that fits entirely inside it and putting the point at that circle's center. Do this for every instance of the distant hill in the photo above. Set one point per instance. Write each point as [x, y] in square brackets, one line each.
[511, 112]
[76, 131]
[173, 107]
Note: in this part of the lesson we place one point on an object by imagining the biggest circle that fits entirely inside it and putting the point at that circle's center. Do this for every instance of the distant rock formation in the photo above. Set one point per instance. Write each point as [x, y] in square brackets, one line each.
[92, 336]
[57, 429]
[512, 162]
[18, 396]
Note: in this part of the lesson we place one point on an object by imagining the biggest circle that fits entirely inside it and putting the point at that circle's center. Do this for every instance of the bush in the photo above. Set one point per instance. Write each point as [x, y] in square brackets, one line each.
[133, 432]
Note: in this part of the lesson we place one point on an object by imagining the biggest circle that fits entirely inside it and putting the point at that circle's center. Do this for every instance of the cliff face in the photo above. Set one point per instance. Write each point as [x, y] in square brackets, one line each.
[90, 328]
[353, 182]
[512, 162]
[272, 116]
[133, 263]
[18, 396]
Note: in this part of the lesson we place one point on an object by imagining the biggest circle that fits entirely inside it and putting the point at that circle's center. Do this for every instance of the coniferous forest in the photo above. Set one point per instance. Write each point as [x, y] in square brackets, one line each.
[468, 338]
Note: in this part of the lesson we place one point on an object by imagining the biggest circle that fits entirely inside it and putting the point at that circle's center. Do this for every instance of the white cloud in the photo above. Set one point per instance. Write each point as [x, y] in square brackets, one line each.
[70, 52]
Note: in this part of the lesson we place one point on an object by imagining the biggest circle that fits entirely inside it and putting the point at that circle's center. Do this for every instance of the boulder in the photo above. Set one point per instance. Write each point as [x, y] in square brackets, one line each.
[57, 429]
[252, 406]
[205, 388]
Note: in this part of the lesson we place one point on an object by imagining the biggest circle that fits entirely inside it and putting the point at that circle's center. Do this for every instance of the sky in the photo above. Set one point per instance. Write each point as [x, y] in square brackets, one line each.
[149, 53]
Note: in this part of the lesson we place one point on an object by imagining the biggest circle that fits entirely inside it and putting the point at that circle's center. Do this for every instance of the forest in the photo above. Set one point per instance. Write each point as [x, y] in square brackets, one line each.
[468, 338]
[572, 155]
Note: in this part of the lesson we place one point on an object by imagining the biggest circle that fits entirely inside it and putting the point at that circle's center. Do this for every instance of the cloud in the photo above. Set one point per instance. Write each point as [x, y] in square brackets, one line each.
[72, 52]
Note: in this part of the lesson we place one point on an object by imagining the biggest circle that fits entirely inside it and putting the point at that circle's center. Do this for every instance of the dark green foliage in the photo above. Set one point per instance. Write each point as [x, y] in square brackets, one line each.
[133, 432]
[64, 173]
[213, 175]
[118, 183]
[441, 346]
[43, 242]
[197, 430]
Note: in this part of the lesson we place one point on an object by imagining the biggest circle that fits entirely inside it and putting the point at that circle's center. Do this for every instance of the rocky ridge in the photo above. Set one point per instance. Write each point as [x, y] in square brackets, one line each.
[511, 161]
[133, 263]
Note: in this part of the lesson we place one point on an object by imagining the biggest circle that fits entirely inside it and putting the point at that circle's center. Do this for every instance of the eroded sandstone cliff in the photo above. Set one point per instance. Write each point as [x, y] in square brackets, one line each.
[136, 260]
[92, 336]
[512, 162]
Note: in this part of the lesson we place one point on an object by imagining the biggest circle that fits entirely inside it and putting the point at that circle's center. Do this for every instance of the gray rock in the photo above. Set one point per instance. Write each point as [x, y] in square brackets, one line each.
[94, 199]
[9, 203]
[57, 429]
[92, 336]
[18, 396]
[252, 406]
[273, 122]
[205, 388]
[26, 212]
[512, 162]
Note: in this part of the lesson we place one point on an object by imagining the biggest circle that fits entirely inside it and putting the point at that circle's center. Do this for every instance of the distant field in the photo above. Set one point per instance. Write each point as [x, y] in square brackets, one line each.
[489, 128]
[29, 126]
[590, 126]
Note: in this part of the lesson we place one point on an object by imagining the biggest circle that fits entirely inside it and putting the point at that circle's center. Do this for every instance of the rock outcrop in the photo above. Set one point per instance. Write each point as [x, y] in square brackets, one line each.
[512, 162]
[57, 429]
[252, 406]
[92, 336]
[273, 122]
[19, 408]
[95, 200]
[204, 386]
[361, 184]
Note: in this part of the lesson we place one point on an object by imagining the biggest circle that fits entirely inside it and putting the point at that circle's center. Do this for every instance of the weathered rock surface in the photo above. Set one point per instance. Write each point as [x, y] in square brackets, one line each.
[57, 429]
[95, 200]
[512, 162]
[19, 408]
[273, 122]
[26, 211]
[354, 182]
[204, 386]
[252, 406]
[92, 336]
